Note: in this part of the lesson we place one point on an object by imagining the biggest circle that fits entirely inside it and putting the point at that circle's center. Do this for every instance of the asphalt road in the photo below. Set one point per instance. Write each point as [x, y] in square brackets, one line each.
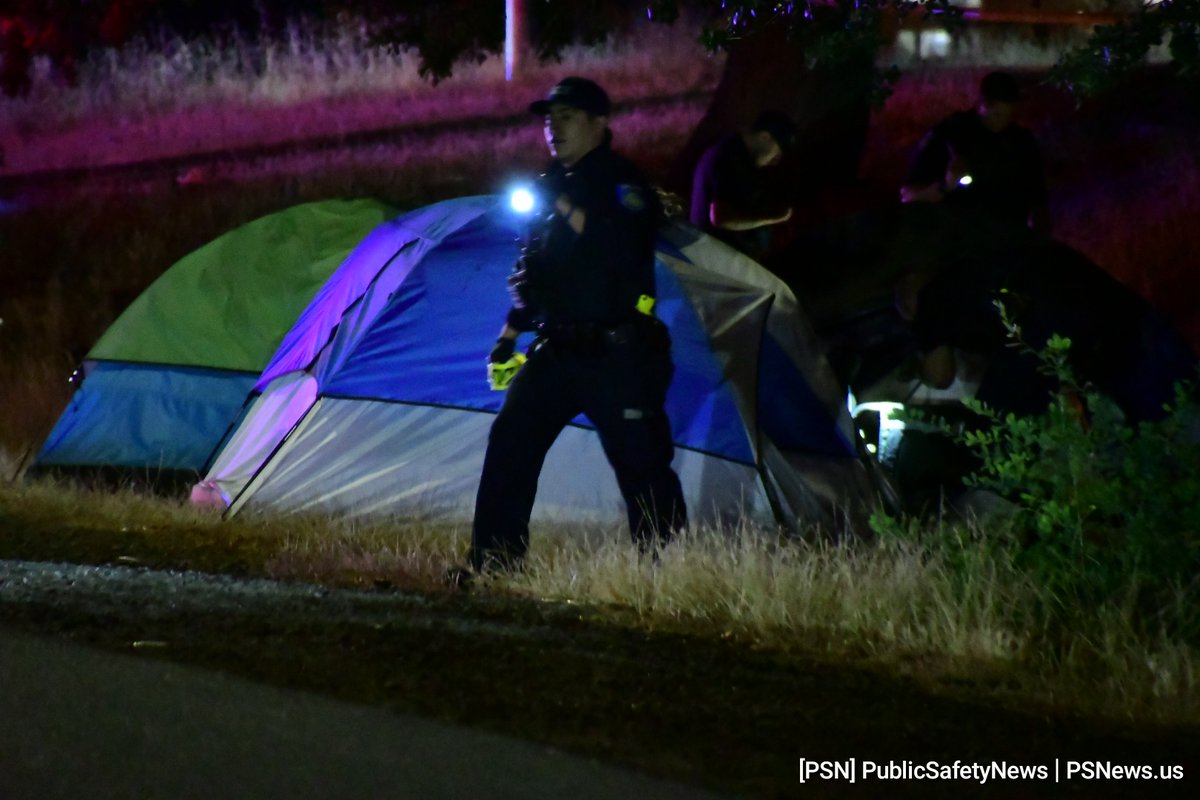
[82, 723]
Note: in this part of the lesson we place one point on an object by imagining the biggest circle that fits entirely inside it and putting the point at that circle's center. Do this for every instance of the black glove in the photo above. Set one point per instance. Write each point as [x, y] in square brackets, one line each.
[503, 351]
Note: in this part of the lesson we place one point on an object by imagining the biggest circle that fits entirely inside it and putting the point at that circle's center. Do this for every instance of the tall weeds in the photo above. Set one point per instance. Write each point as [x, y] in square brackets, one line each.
[164, 97]
[955, 620]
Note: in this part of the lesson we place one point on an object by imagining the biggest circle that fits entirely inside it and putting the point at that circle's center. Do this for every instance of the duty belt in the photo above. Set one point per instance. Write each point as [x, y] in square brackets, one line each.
[588, 335]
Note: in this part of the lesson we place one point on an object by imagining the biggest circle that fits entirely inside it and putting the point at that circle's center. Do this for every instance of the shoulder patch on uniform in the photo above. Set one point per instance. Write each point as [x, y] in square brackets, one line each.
[631, 197]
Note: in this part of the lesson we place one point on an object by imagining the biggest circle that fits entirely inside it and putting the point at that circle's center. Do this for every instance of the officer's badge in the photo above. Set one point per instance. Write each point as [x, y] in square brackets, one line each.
[631, 197]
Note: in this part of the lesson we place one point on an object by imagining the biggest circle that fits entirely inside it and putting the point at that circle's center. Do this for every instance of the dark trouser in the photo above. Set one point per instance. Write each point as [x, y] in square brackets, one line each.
[621, 390]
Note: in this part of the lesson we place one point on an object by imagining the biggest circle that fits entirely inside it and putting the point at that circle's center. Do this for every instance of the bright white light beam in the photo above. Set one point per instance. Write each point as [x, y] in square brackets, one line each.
[521, 200]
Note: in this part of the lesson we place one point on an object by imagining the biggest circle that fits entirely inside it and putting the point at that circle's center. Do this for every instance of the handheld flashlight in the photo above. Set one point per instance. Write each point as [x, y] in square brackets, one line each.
[522, 200]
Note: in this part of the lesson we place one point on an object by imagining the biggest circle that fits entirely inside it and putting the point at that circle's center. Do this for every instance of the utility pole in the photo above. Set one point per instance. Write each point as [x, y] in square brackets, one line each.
[516, 37]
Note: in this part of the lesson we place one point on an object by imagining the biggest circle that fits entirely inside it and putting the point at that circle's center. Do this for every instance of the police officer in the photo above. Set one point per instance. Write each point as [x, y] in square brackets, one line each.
[585, 285]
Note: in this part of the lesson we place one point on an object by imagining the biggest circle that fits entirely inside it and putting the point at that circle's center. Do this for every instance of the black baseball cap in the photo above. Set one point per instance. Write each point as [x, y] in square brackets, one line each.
[576, 92]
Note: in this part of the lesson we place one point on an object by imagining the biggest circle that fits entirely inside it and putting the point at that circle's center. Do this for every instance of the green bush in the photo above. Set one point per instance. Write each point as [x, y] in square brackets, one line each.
[1103, 511]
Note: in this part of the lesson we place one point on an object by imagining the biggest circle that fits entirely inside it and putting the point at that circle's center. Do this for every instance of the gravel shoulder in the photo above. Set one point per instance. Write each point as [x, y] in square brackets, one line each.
[717, 714]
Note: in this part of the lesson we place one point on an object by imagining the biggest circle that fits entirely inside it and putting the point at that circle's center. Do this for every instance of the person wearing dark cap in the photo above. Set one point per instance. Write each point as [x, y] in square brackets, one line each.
[584, 285]
[731, 196]
[981, 159]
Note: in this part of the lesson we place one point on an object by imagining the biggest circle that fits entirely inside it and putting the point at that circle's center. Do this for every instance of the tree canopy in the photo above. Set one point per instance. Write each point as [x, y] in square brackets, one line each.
[1116, 52]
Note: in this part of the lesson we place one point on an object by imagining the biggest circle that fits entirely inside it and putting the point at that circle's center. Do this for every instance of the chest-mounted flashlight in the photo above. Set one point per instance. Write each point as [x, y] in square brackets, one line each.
[522, 200]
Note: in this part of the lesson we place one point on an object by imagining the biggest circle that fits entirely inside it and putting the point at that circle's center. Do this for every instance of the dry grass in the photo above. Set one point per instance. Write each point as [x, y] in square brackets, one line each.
[969, 627]
[421, 169]
[413, 556]
[747, 581]
[973, 624]
[166, 98]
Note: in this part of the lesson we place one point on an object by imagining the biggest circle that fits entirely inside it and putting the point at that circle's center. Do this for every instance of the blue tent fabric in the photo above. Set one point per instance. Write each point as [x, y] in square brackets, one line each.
[375, 401]
[789, 412]
[169, 376]
[446, 312]
[139, 415]
[347, 305]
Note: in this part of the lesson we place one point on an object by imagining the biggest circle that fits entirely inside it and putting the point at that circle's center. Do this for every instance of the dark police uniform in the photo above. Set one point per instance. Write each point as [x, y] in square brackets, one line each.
[1005, 166]
[595, 354]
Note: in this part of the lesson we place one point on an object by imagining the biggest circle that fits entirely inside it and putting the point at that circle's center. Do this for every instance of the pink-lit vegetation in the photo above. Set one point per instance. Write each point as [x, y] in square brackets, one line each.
[156, 99]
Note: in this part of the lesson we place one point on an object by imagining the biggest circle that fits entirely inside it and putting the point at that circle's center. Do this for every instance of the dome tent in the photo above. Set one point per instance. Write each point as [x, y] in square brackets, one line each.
[374, 401]
[165, 381]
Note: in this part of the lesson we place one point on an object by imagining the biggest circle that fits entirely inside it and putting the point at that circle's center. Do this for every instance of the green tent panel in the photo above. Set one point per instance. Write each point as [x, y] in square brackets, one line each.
[229, 304]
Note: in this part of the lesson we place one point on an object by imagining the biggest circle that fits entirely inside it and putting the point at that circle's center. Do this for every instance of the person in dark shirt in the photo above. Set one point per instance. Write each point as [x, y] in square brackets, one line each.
[731, 199]
[584, 284]
[982, 159]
